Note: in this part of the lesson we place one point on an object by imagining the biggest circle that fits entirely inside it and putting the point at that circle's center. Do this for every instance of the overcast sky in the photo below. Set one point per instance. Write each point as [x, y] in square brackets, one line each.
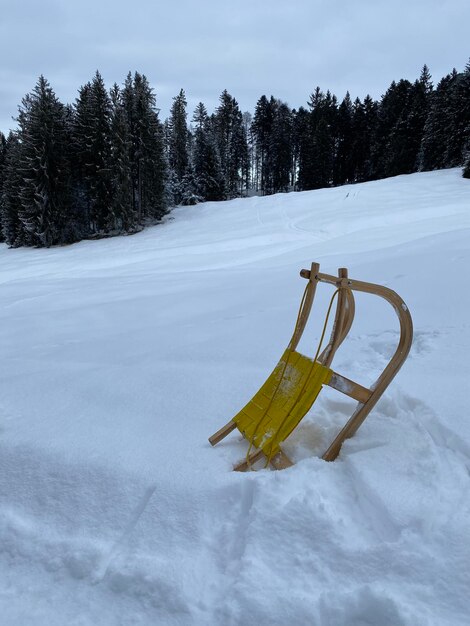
[249, 47]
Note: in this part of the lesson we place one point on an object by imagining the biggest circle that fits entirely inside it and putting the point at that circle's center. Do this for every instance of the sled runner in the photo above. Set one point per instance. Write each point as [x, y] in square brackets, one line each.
[293, 386]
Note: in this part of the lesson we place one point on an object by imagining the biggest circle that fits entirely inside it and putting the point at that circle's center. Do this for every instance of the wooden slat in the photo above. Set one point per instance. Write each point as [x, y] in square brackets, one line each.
[306, 308]
[245, 464]
[223, 432]
[349, 388]
[281, 461]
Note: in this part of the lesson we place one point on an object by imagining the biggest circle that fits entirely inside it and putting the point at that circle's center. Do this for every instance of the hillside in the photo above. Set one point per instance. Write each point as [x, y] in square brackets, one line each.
[120, 357]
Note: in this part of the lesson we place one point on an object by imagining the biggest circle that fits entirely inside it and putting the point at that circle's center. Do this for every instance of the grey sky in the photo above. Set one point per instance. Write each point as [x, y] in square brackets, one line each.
[249, 47]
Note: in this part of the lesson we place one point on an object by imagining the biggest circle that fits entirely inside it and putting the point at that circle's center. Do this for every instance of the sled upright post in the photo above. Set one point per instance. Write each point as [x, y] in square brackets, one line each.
[293, 386]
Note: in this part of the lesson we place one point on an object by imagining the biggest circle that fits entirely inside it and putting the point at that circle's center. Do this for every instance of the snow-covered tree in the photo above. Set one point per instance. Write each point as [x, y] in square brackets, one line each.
[231, 144]
[148, 167]
[206, 168]
[44, 167]
[121, 216]
[12, 229]
[178, 140]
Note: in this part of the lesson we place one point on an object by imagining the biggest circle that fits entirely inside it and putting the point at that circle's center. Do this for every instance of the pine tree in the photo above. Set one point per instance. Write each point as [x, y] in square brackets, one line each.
[280, 147]
[458, 129]
[190, 193]
[45, 194]
[231, 144]
[319, 153]
[10, 204]
[148, 166]
[81, 148]
[317, 141]
[391, 130]
[178, 140]
[273, 131]
[92, 147]
[240, 156]
[364, 119]
[405, 137]
[425, 79]
[101, 179]
[343, 170]
[247, 120]
[205, 163]
[3, 154]
[434, 132]
[302, 147]
[121, 214]
[437, 126]
[322, 165]
[262, 126]
[466, 169]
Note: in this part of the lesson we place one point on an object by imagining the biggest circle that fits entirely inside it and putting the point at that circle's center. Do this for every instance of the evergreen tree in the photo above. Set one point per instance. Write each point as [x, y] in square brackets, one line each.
[262, 126]
[343, 171]
[425, 80]
[206, 169]
[45, 194]
[364, 123]
[434, 132]
[92, 147]
[466, 169]
[405, 137]
[190, 195]
[307, 125]
[323, 148]
[273, 132]
[458, 128]
[121, 214]
[247, 120]
[10, 203]
[148, 167]
[178, 140]
[391, 129]
[281, 161]
[240, 156]
[231, 144]
[3, 154]
[316, 146]
[320, 150]
[81, 148]
[101, 179]
[302, 147]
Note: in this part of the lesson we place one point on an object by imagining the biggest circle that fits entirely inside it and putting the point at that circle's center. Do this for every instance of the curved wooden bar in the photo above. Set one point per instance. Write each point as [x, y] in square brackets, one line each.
[390, 371]
[306, 308]
[344, 317]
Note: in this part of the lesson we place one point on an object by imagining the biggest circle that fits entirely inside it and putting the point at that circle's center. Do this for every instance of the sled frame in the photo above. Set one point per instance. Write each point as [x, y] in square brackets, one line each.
[366, 398]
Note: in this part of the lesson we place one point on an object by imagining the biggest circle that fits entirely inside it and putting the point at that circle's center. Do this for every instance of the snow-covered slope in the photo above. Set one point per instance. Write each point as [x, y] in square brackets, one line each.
[119, 358]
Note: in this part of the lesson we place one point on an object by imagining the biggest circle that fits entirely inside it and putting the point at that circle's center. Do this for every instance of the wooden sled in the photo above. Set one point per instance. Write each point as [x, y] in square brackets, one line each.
[293, 386]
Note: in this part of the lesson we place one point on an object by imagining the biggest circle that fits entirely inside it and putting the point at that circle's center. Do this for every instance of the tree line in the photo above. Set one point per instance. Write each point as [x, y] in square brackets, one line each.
[107, 165]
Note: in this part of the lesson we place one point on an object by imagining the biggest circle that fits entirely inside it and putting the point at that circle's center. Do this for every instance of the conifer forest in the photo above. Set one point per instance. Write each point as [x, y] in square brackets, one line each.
[108, 165]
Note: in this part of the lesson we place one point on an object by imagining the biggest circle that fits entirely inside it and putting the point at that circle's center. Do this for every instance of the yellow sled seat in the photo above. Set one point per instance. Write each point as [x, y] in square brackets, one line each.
[281, 403]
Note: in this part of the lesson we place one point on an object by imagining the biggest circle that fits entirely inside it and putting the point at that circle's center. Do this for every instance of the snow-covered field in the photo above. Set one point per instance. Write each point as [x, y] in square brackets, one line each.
[118, 358]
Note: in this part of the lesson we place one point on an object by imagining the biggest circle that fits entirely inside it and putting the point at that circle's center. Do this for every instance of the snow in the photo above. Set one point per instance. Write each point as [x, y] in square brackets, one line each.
[120, 357]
